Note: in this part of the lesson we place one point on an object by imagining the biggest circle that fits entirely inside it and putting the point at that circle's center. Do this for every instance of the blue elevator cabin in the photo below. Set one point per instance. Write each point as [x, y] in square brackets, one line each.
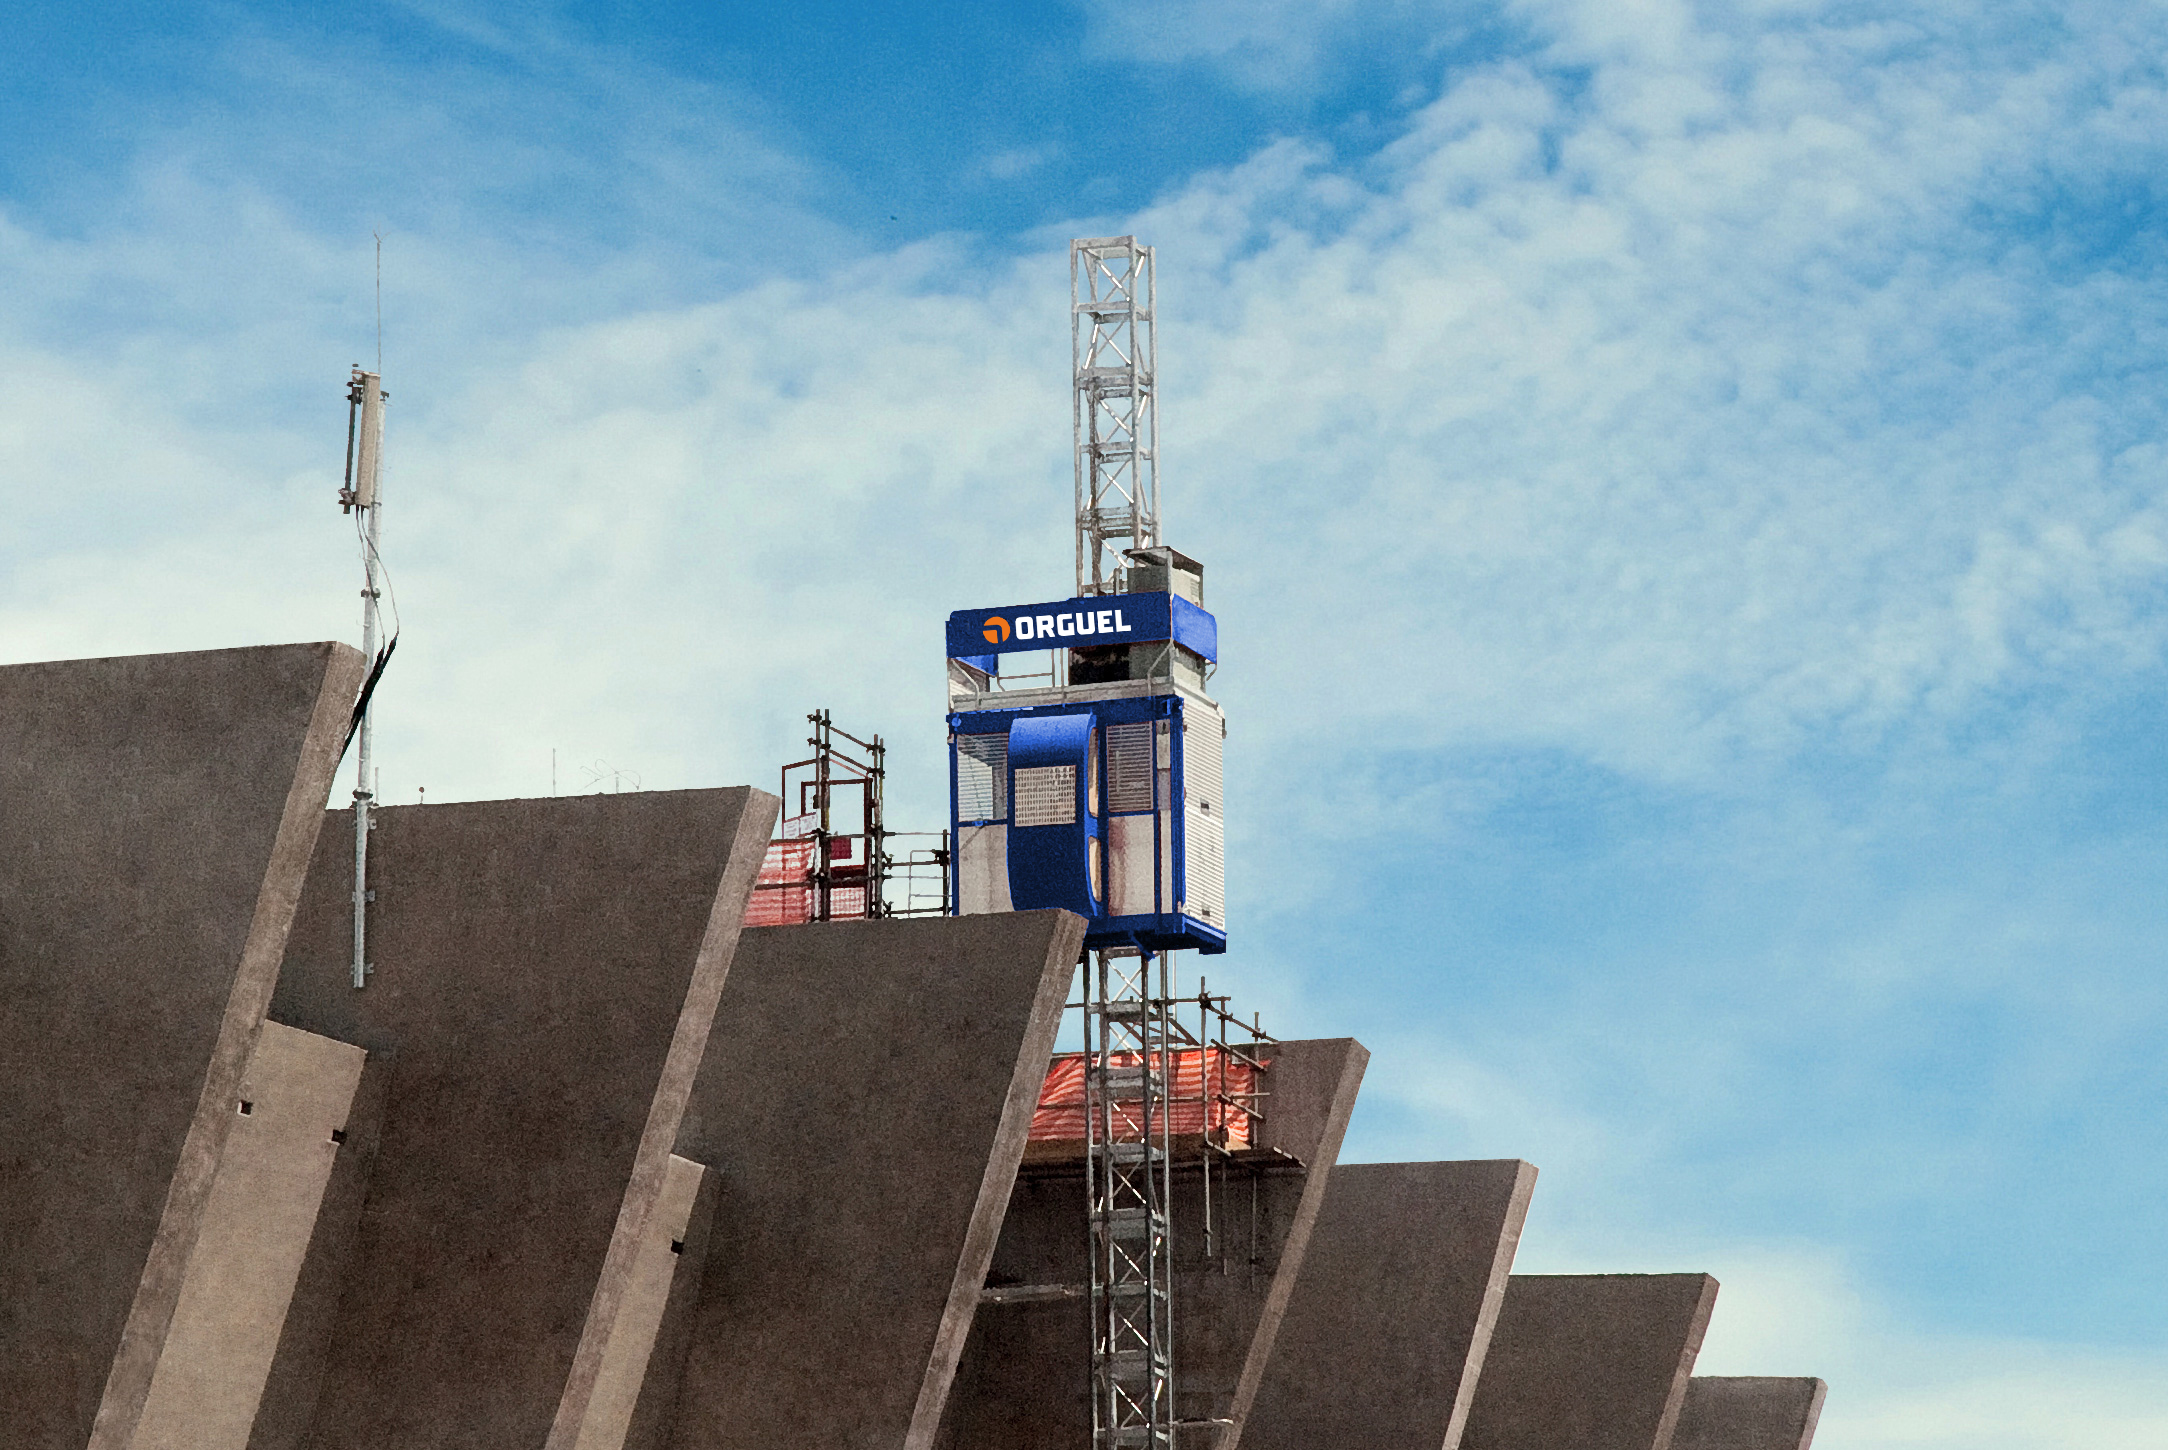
[1089, 778]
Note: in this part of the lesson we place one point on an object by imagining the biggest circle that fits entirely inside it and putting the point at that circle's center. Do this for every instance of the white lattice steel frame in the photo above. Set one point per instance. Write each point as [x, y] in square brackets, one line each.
[1114, 352]
[1128, 1157]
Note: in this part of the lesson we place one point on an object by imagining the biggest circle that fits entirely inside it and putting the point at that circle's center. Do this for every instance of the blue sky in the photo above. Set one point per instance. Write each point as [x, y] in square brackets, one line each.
[1682, 486]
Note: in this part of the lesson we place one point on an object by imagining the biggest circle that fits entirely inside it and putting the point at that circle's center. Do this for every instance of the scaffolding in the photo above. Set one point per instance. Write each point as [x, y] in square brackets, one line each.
[831, 859]
[1153, 1095]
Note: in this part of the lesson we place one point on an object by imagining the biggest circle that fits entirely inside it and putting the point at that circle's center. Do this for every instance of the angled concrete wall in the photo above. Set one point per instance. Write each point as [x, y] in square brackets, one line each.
[1024, 1380]
[1400, 1291]
[865, 1105]
[295, 1101]
[673, 1251]
[299, 1367]
[546, 973]
[160, 812]
[1724, 1412]
[1592, 1361]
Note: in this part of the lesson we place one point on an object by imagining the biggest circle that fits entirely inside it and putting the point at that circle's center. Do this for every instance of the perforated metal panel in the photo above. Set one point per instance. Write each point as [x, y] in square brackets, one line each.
[1046, 795]
[1129, 767]
[982, 776]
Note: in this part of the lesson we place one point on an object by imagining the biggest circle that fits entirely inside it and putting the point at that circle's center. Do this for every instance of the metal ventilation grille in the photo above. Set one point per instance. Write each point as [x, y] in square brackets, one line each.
[1129, 767]
[982, 776]
[1046, 795]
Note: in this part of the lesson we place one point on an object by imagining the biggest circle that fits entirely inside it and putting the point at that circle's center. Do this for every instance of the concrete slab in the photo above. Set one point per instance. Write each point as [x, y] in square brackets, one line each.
[1386, 1334]
[1594, 1361]
[298, 1369]
[1024, 1381]
[866, 1104]
[640, 1314]
[257, 1224]
[160, 813]
[1749, 1412]
[655, 1392]
[546, 978]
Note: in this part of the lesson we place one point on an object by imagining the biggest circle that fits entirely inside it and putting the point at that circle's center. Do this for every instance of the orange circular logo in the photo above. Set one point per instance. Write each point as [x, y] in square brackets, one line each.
[996, 630]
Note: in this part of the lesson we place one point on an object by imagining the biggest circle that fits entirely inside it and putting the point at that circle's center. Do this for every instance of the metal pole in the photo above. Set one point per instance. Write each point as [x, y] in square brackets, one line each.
[367, 394]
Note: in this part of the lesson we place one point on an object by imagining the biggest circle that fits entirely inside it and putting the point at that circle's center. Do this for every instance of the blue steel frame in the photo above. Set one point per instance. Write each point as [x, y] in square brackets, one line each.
[1164, 930]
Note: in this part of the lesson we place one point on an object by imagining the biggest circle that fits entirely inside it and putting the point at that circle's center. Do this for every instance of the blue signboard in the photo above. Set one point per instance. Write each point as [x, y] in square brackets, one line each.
[975, 634]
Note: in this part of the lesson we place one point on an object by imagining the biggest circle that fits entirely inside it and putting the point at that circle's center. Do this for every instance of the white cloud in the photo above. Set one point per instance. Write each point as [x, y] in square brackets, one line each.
[1267, 44]
[1905, 1386]
[1691, 398]
[1686, 414]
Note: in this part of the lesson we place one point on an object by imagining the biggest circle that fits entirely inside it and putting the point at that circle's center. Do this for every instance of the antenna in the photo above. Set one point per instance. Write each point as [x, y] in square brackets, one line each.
[362, 496]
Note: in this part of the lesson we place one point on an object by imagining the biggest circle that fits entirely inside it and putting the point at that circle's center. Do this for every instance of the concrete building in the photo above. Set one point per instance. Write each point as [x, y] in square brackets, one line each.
[586, 1165]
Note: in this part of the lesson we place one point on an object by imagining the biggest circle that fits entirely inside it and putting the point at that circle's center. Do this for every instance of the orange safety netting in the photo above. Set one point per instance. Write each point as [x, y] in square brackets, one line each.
[783, 892]
[1210, 1086]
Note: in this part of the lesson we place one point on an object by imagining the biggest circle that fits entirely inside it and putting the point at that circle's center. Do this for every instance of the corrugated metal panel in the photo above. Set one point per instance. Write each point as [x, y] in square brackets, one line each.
[1129, 767]
[982, 777]
[1204, 828]
[1046, 795]
[1206, 858]
[1201, 730]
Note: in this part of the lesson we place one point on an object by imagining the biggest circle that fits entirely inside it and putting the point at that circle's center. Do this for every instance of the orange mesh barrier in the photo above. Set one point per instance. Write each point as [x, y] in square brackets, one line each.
[1204, 1078]
[783, 892]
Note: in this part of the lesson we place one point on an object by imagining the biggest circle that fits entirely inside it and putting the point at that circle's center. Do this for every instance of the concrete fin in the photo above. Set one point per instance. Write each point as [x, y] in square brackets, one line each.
[161, 810]
[642, 1309]
[262, 1211]
[1024, 1377]
[1391, 1318]
[546, 973]
[304, 1351]
[1751, 1412]
[1596, 1361]
[866, 1102]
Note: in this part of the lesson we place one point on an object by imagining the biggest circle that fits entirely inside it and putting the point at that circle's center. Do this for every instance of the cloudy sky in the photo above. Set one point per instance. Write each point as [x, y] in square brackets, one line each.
[1682, 485]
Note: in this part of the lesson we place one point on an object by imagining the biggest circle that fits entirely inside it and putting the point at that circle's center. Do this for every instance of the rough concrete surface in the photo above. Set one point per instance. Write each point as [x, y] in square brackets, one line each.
[1755, 1412]
[641, 1312]
[654, 1395]
[298, 1369]
[256, 1230]
[1385, 1336]
[545, 979]
[1024, 1381]
[865, 1105]
[160, 811]
[1591, 1361]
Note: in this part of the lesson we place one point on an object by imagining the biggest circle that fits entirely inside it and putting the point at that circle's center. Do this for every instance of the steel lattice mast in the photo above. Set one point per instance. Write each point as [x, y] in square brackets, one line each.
[1128, 1150]
[1114, 353]
[1128, 1168]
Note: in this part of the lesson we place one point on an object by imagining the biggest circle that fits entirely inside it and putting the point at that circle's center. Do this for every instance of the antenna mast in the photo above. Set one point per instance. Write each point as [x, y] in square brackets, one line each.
[1114, 352]
[365, 398]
